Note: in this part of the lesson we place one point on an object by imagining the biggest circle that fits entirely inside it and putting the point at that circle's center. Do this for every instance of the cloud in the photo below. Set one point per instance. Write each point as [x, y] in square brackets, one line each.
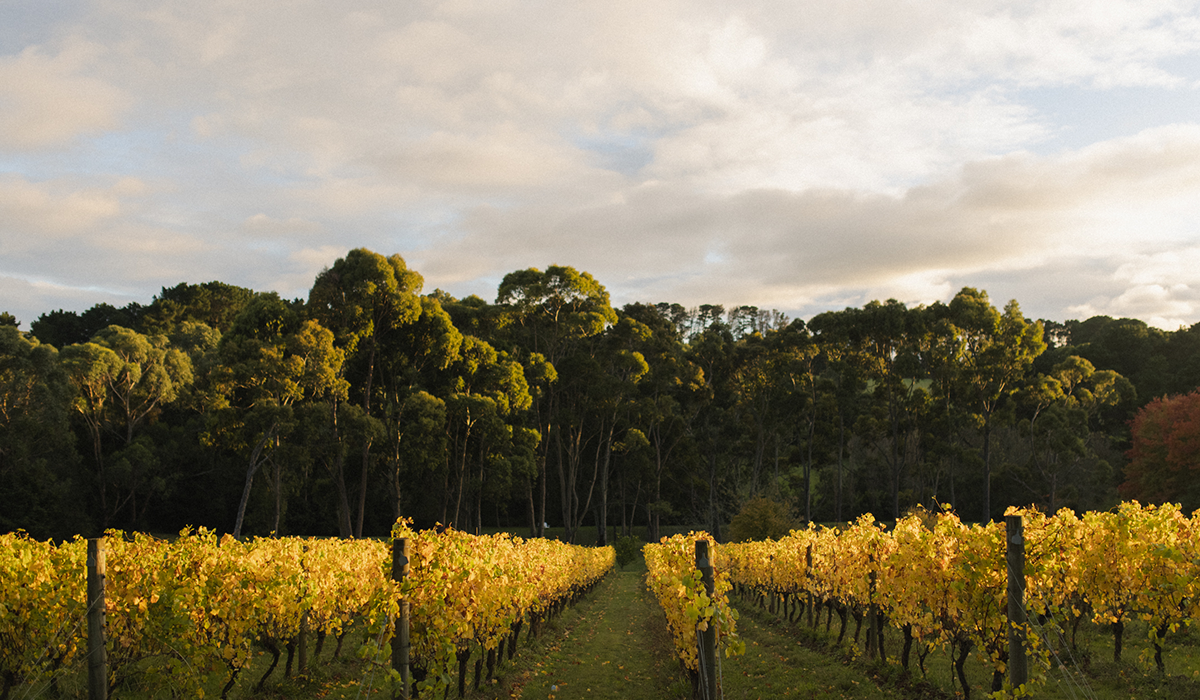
[1160, 287]
[265, 227]
[28, 299]
[764, 152]
[461, 99]
[786, 248]
[49, 101]
[34, 212]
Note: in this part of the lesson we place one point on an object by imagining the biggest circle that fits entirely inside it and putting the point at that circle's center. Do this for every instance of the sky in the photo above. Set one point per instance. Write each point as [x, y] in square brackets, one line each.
[800, 156]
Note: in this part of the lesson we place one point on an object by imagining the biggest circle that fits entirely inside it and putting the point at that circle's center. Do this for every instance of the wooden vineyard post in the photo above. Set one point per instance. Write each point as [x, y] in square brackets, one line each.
[707, 639]
[812, 598]
[97, 658]
[1018, 662]
[302, 642]
[400, 646]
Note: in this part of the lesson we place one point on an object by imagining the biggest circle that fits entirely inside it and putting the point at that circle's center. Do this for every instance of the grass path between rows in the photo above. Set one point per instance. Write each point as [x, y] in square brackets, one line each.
[615, 644]
[778, 665]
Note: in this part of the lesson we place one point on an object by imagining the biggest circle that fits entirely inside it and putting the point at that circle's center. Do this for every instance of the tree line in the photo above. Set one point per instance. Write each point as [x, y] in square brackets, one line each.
[243, 411]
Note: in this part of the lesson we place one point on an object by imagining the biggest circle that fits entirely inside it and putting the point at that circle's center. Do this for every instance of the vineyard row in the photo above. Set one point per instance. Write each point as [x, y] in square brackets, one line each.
[943, 584]
[180, 614]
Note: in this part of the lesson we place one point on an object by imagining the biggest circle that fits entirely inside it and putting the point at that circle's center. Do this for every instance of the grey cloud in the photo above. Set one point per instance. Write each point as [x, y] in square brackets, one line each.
[780, 154]
[48, 100]
[999, 219]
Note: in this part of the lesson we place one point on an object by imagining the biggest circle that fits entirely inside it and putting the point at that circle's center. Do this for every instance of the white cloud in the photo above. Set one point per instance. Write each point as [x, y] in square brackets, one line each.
[784, 248]
[28, 299]
[762, 152]
[1161, 287]
[49, 100]
[33, 212]
[262, 226]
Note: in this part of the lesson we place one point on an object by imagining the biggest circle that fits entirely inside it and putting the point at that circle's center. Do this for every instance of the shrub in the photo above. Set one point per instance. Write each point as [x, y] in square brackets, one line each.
[761, 519]
[628, 549]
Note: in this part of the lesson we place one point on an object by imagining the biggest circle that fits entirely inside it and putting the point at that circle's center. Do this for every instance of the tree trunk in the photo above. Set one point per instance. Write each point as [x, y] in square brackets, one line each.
[339, 478]
[98, 453]
[714, 515]
[602, 507]
[581, 509]
[462, 475]
[841, 452]
[987, 467]
[533, 524]
[366, 450]
[278, 469]
[479, 491]
[808, 463]
[1118, 631]
[362, 488]
[344, 528]
[251, 468]
[396, 486]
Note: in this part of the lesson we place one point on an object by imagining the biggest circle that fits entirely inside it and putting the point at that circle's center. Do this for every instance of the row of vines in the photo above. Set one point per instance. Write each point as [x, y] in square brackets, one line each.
[673, 577]
[942, 583]
[183, 614]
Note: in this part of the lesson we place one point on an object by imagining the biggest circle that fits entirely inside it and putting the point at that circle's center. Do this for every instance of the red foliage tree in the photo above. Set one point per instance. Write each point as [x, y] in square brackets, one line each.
[1164, 462]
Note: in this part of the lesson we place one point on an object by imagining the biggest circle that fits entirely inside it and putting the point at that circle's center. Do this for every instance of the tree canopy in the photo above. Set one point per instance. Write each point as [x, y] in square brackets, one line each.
[369, 400]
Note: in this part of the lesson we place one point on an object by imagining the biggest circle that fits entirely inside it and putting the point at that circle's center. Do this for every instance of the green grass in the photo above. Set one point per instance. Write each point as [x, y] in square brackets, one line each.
[613, 644]
[345, 677]
[781, 665]
[1089, 673]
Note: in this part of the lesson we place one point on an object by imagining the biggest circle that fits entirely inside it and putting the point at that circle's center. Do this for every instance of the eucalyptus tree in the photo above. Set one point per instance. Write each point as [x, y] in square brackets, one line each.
[885, 340]
[997, 352]
[151, 374]
[413, 356]
[1056, 440]
[797, 365]
[843, 375]
[122, 379]
[90, 368]
[36, 443]
[714, 430]
[548, 317]
[671, 397]
[754, 396]
[949, 417]
[1092, 390]
[270, 361]
[632, 464]
[361, 298]
[1062, 445]
[618, 366]
[485, 389]
[421, 445]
